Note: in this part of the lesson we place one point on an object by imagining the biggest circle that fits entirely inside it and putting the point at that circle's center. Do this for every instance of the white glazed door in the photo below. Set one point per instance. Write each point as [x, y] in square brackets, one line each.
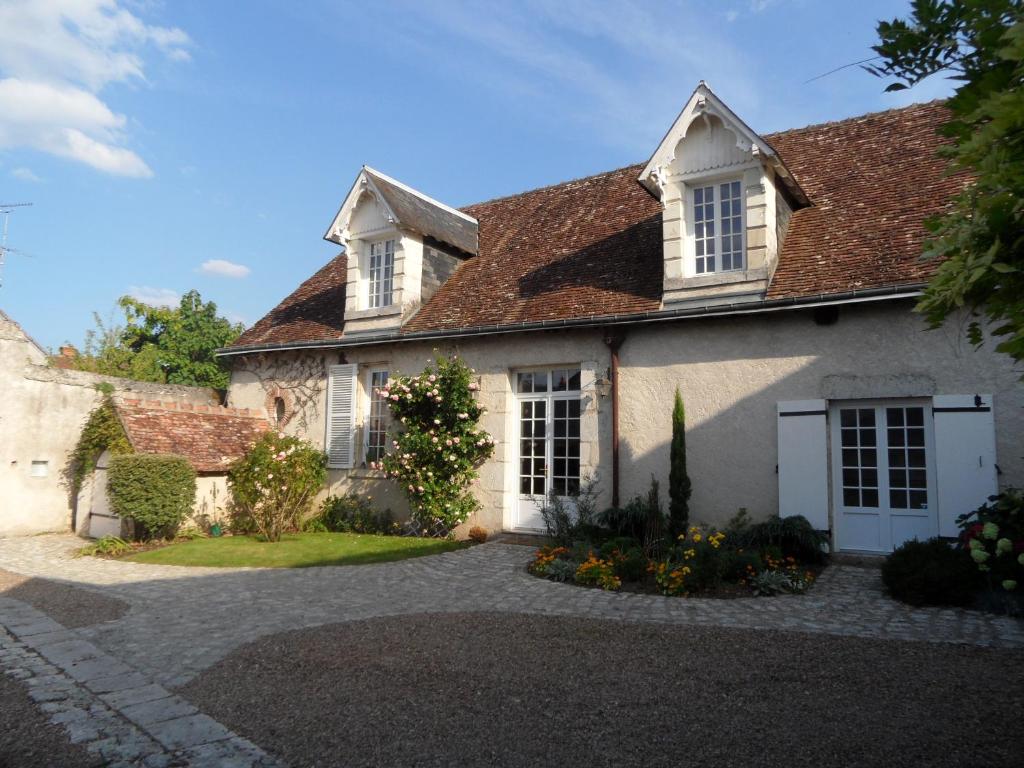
[548, 416]
[883, 474]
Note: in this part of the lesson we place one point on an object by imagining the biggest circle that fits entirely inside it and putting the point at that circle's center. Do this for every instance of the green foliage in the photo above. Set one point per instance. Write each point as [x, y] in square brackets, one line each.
[994, 537]
[642, 518]
[679, 485]
[793, 536]
[569, 520]
[167, 345]
[102, 431]
[440, 447]
[981, 238]
[273, 485]
[155, 491]
[108, 546]
[931, 573]
[351, 513]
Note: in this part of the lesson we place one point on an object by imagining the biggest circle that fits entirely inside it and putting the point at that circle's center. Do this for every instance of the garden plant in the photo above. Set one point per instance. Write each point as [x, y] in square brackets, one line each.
[439, 445]
[273, 485]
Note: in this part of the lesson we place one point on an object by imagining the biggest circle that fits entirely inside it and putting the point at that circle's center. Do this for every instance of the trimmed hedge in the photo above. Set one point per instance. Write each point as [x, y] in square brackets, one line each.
[931, 573]
[153, 490]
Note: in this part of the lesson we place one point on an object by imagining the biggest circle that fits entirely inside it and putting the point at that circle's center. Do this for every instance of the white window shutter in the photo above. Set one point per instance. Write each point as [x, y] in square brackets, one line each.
[965, 456]
[803, 463]
[341, 416]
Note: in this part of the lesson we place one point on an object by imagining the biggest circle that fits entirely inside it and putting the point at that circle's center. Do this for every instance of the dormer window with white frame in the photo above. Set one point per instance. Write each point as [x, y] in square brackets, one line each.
[380, 274]
[726, 199]
[718, 227]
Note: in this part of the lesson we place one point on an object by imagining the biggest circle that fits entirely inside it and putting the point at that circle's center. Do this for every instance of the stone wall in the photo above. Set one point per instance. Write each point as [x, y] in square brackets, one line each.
[45, 409]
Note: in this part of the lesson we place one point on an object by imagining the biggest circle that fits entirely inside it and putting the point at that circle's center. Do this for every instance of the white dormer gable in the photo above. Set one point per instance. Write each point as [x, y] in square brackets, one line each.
[401, 244]
[726, 198]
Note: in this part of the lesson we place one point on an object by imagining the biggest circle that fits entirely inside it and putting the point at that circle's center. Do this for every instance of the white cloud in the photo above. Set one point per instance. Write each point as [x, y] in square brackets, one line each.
[224, 268]
[155, 297]
[55, 59]
[25, 174]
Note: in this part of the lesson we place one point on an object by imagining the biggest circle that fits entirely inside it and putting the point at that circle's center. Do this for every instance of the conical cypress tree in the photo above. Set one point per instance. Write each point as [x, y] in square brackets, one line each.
[679, 487]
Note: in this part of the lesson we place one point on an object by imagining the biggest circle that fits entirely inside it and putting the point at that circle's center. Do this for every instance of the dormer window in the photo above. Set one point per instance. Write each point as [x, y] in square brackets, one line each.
[381, 273]
[718, 227]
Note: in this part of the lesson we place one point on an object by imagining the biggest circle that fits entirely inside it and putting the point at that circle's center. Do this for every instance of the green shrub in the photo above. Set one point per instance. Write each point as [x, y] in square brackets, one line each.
[110, 546]
[155, 491]
[793, 536]
[643, 519]
[571, 520]
[353, 513]
[737, 564]
[931, 573]
[273, 485]
[631, 564]
[679, 485]
[994, 536]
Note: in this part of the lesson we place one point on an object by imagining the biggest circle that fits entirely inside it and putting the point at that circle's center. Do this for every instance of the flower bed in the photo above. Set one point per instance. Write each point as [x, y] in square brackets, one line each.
[702, 562]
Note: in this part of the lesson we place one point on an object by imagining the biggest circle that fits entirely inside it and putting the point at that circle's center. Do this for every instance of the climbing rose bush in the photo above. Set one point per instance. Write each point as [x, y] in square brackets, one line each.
[440, 445]
[273, 485]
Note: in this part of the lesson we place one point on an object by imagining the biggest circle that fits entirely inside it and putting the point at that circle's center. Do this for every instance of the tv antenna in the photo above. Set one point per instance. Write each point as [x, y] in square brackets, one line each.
[6, 209]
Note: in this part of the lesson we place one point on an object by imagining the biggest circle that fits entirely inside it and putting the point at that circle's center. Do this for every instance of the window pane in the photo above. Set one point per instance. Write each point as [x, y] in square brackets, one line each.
[851, 497]
[574, 380]
[918, 499]
[525, 383]
[898, 499]
[870, 497]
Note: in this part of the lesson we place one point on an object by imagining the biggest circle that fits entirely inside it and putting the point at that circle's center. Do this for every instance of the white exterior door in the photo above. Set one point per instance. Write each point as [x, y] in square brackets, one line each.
[883, 470]
[548, 420]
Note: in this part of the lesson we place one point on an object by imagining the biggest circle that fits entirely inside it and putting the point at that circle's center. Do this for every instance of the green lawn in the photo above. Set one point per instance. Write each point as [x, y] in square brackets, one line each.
[300, 550]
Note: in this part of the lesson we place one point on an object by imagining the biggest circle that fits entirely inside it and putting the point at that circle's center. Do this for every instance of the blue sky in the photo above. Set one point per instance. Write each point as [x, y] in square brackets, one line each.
[196, 144]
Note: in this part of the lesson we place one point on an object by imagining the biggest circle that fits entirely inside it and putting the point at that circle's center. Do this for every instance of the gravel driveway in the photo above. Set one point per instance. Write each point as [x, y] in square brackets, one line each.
[515, 690]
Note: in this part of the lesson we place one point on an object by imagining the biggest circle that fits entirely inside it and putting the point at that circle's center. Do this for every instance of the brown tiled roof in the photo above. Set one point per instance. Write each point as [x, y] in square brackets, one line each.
[873, 181]
[211, 437]
[313, 311]
[592, 247]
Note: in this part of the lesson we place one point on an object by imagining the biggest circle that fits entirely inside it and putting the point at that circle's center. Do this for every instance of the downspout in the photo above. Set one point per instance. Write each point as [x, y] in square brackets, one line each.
[614, 340]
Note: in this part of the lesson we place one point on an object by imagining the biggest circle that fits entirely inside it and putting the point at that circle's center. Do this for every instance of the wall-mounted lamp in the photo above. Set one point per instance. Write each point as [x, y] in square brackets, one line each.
[603, 386]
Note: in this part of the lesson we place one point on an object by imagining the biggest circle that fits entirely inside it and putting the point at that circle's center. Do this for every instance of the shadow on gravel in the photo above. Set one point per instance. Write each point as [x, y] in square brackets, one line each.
[71, 606]
[516, 690]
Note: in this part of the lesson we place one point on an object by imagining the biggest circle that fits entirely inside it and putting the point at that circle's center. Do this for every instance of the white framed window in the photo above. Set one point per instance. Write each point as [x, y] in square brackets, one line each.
[377, 415]
[381, 271]
[718, 229]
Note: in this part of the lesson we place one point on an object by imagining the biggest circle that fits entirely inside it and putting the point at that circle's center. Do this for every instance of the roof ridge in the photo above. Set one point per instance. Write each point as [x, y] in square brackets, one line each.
[766, 136]
[551, 186]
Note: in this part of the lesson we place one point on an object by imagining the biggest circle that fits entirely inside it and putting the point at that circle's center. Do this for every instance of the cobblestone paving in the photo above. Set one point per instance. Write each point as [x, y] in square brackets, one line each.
[182, 620]
[115, 712]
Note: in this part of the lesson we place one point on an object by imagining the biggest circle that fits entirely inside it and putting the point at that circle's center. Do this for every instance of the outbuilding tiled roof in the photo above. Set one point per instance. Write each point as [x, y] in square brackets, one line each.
[592, 247]
[211, 437]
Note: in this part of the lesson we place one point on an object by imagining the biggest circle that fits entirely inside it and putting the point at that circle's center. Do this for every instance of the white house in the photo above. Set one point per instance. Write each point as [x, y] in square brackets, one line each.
[770, 278]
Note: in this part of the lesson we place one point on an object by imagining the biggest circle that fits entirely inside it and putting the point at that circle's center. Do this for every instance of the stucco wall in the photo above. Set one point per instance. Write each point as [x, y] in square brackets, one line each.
[490, 357]
[45, 409]
[732, 372]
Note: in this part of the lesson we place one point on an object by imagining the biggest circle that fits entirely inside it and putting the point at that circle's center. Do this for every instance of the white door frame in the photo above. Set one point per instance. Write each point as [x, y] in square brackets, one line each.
[925, 521]
[527, 506]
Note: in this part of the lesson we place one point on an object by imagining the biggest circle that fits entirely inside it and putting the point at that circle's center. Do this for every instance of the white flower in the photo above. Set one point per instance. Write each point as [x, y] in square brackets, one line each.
[473, 386]
[437, 422]
[457, 441]
[280, 435]
[433, 439]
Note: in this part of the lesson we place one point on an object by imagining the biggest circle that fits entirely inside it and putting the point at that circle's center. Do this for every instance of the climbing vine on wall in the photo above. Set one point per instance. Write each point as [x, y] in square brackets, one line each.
[302, 376]
[102, 432]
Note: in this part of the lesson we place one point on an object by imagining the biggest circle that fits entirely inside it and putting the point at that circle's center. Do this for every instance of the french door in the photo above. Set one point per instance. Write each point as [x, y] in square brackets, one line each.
[548, 417]
[883, 473]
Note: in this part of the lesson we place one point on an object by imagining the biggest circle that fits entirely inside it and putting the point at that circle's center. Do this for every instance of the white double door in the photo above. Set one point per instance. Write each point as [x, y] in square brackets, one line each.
[548, 418]
[883, 470]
